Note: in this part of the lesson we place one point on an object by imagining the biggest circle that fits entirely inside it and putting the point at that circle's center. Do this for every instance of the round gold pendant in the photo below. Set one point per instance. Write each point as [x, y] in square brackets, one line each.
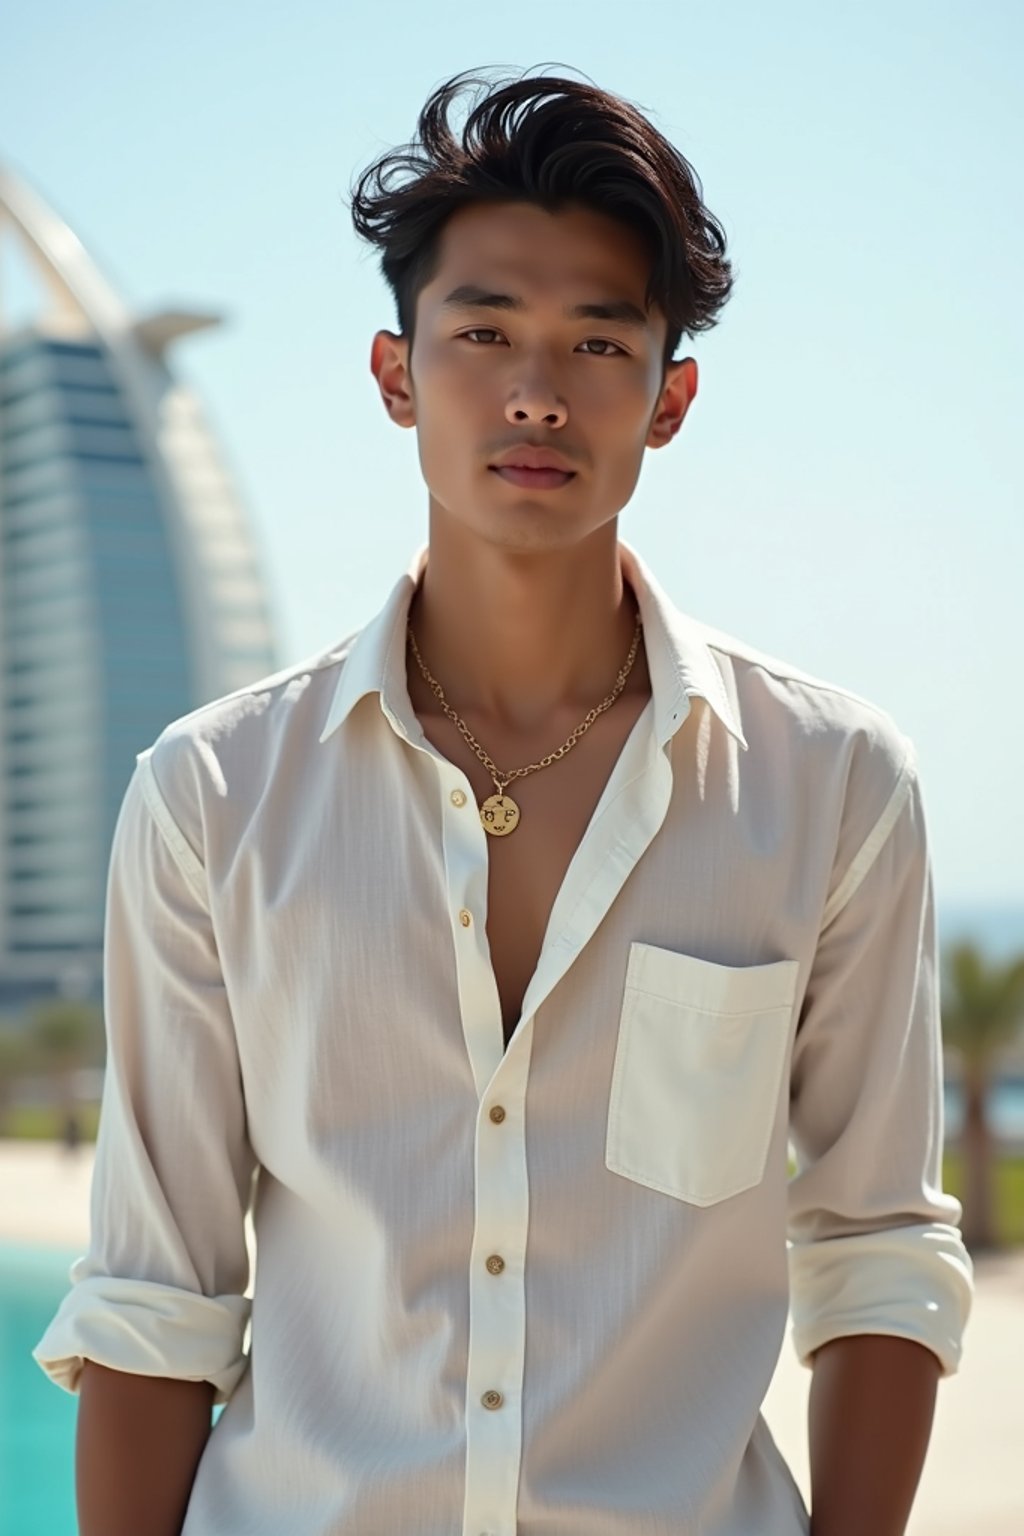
[499, 815]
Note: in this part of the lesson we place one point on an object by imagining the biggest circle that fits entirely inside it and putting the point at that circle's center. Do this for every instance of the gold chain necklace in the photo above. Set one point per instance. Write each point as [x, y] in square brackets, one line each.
[499, 814]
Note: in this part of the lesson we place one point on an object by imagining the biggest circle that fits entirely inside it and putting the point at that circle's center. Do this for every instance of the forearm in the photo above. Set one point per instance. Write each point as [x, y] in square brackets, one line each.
[870, 1413]
[138, 1444]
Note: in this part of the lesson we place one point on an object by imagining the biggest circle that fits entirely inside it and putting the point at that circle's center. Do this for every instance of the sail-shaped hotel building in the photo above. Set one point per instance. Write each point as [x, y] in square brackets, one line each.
[131, 588]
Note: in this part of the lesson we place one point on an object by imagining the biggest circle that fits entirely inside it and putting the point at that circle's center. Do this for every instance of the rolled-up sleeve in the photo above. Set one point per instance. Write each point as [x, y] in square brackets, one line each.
[875, 1245]
[161, 1289]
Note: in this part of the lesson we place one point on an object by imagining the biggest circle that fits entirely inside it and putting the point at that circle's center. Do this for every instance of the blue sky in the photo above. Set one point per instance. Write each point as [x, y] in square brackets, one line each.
[844, 494]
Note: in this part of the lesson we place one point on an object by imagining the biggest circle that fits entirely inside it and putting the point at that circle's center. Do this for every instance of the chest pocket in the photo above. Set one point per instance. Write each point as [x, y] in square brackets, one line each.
[698, 1070]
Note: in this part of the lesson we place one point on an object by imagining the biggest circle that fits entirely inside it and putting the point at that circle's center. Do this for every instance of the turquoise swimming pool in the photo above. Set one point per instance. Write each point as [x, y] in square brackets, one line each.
[37, 1419]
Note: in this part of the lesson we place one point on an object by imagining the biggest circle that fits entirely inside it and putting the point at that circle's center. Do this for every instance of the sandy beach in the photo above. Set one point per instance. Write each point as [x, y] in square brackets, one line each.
[973, 1482]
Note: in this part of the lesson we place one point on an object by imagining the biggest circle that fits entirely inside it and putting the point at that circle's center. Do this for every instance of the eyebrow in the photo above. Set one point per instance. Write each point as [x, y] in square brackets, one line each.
[621, 311]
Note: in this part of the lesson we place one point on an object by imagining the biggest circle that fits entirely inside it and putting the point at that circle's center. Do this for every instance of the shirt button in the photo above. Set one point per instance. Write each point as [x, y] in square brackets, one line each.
[497, 1114]
[458, 797]
[495, 1264]
[492, 1399]
[465, 918]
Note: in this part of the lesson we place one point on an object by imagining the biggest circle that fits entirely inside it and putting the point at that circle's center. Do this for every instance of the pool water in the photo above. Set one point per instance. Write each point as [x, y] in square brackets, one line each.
[37, 1418]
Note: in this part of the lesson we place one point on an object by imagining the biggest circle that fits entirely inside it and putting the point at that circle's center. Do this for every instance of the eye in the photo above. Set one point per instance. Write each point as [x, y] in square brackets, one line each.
[602, 341]
[480, 331]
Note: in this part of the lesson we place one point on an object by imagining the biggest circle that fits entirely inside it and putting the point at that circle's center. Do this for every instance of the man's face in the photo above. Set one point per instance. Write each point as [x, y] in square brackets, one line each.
[487, 378]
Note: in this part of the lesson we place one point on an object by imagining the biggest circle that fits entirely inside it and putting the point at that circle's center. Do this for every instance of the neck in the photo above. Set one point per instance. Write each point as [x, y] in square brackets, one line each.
[519, 638]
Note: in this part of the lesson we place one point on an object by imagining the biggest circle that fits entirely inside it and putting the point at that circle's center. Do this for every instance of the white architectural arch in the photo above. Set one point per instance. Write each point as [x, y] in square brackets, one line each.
[131, 588]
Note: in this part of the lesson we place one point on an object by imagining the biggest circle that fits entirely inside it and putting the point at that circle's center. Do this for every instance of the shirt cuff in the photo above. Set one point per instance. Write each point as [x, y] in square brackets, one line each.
[913, 1282]
[146, 1329]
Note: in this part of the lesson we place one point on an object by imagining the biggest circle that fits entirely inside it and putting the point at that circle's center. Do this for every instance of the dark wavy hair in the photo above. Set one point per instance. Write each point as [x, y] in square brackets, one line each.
[548, 140]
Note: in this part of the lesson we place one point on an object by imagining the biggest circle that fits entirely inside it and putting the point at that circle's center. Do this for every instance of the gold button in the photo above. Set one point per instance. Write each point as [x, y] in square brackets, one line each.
[458, 797]
[492, 1399]
[495, 1264]
[465, 918]
[497, 1114]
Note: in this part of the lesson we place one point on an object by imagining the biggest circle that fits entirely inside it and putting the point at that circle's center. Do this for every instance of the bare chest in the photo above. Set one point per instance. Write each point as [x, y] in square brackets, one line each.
[526, 868]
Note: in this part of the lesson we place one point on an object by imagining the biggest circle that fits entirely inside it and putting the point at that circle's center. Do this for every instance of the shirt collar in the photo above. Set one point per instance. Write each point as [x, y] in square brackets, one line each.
[679, 660]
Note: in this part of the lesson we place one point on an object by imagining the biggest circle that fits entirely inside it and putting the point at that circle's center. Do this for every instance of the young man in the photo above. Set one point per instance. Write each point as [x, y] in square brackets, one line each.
[493, 957]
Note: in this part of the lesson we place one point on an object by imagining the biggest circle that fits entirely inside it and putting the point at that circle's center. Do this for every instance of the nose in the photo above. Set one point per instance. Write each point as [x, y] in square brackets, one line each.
[536, 401]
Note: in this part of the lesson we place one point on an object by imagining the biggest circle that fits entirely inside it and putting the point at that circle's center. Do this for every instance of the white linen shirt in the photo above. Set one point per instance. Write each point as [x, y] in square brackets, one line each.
[541, 1290]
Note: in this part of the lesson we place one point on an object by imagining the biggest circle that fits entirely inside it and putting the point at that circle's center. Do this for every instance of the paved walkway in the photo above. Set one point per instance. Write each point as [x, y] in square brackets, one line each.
[973, 1481]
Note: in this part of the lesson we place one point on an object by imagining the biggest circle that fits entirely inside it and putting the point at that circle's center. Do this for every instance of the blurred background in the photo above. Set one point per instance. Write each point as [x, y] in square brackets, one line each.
[199, 484]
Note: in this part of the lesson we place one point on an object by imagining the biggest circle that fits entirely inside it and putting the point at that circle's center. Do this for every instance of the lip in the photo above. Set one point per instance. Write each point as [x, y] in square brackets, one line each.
[532, 456]
[533, 479]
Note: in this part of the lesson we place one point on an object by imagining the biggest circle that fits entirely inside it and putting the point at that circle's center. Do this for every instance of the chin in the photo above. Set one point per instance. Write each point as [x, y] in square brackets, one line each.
[529, 528]
[530, 522]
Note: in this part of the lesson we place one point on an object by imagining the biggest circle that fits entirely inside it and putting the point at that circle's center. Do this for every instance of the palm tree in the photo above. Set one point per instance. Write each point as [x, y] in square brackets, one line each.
[982, 1010]
[67, 1035]
[15, 1062]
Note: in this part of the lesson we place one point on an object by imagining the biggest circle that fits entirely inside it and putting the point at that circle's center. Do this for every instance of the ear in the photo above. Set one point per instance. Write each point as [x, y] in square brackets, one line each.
[676, 397]
[389, 364]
